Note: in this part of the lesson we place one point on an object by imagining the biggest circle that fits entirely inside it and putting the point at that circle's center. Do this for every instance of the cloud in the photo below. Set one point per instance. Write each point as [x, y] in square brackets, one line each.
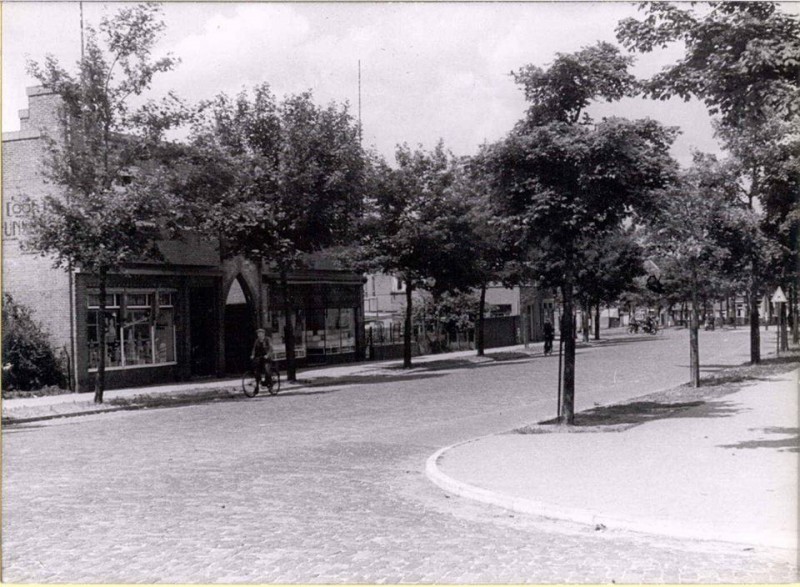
[428, 70]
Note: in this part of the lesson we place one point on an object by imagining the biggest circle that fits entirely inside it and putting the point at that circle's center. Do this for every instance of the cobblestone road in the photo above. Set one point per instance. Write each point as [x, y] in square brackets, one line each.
[327, 486]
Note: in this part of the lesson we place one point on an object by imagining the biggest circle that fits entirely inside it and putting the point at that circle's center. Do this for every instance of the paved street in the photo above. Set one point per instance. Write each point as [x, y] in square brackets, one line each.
[327, 485]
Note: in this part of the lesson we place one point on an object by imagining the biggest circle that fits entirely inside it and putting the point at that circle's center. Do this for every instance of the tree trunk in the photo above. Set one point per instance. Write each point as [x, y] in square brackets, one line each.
[793, 310]
[728, 310]
[694, 336]
[568, 397]
[784, 328]
[407, 333]
[288, 330]
[770, 312]
[100, 377]
[479, 340]
[755, 334]
[585, 311]
[597, 321]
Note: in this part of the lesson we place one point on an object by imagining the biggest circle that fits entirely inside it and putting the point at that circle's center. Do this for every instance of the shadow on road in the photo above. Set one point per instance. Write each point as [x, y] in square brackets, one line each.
[363, 379]
[12, 428]
[790, 444]
[639, 412]
[622, 341]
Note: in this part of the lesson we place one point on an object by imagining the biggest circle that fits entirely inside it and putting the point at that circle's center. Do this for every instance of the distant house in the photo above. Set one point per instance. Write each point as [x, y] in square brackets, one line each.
[513, 315]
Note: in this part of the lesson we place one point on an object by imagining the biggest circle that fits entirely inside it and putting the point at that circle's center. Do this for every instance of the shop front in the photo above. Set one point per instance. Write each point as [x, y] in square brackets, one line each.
[158, 329]
[327, 317]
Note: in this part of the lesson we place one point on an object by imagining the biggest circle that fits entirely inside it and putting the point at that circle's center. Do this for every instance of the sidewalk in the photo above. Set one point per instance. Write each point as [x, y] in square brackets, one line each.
[32, 409]
[722, 469]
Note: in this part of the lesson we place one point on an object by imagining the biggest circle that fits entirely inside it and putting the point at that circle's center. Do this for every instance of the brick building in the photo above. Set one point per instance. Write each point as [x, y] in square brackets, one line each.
[191, 316]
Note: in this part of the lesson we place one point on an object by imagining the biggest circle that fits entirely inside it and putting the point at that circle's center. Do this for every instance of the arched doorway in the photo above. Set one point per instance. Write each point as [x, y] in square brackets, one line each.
[240, 326]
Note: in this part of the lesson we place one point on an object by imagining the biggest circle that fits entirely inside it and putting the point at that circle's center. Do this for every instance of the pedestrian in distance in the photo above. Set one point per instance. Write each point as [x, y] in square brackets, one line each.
[261, 356]
[549, 336]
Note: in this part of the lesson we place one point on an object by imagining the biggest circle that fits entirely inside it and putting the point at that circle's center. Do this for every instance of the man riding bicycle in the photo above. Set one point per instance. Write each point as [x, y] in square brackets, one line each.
[261, 357]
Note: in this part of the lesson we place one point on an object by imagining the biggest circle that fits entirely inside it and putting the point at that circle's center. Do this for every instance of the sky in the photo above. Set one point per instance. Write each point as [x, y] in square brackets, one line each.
[429, 71]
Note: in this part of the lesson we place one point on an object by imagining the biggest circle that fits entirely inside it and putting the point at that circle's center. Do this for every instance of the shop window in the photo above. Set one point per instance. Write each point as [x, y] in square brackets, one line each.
[140, 329]
[500, 310]
[277, 323]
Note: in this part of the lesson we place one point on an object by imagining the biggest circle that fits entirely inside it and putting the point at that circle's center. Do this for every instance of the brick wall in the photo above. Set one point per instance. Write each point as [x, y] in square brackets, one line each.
[31, 279]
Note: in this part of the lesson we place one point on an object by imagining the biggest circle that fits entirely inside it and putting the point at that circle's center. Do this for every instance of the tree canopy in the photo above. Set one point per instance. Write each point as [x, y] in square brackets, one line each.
[104, 155]
[564, 180]
[742, 59]
[417, 227]
[276, 180]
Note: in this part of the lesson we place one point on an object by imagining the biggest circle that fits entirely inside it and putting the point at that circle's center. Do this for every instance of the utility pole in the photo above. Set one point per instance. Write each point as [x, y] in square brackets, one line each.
[360, 138]
[82, 44]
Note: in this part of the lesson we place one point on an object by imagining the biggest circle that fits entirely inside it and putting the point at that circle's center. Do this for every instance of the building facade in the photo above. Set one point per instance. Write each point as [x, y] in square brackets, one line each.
[514, 315]
[193, 315]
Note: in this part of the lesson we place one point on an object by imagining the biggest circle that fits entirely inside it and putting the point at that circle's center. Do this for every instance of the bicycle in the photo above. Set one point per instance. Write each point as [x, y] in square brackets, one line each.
[650, 326]
[251, 385]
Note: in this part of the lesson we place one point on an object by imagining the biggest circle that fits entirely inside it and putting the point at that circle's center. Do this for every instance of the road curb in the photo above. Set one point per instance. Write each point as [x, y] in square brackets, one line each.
[169, 401]
[667, 528]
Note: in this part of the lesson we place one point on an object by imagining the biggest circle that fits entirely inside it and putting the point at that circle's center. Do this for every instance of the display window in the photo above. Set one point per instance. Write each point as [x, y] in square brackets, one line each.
[140, 329]
[277, 324]
[331, 331]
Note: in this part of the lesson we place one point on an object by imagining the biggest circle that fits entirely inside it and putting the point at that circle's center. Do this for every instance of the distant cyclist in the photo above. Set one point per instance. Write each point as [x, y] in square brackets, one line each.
[261, 357]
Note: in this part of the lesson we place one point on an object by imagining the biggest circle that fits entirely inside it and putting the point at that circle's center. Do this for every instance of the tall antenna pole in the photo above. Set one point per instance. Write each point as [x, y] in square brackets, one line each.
[360, 140]
[82, 45]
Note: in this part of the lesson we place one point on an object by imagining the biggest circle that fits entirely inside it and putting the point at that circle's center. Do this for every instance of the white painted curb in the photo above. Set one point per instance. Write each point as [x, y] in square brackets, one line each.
[670, 528]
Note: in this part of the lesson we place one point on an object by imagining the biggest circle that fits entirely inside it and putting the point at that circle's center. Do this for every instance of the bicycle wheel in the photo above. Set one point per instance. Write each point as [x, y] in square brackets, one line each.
[250, 384]
[275, 387]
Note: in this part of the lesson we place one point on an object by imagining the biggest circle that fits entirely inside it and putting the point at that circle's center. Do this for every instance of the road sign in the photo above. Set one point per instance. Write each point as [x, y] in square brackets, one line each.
[778, 297]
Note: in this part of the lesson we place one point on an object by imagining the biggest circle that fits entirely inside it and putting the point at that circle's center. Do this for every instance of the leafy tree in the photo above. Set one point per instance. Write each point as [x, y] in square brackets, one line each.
[29, 362]
[450, 312]
[742, 59]
[276, 180]
[769, 155]
[103, 157]
[566, 180]
[497, 254]
[417, 227]
[607, 268]
[699, 236]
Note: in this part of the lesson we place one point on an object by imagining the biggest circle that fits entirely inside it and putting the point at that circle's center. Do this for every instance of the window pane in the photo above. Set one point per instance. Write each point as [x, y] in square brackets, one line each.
[138, 299]
[315, 321]
[165, 299]
[93, 300]
[165, 336]
[348, 330]
[113, 355]
[136, 338]
[277, 323]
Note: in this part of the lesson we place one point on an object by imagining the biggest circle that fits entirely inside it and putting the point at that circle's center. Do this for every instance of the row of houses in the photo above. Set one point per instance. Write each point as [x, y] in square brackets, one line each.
[193, 315]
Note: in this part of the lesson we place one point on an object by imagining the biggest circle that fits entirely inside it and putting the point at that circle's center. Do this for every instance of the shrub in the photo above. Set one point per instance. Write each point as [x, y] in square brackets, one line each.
[29, 361]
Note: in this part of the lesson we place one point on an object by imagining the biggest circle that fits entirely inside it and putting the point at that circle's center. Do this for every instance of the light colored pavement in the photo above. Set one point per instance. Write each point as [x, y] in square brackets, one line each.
[326, 483]
[726, 469]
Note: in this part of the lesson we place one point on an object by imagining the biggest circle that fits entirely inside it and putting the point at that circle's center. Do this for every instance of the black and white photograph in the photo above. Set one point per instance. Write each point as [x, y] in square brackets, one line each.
[400, 292]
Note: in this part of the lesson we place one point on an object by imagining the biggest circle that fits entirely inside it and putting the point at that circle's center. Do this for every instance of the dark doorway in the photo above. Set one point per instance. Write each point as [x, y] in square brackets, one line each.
[202, 332]
[240, 328]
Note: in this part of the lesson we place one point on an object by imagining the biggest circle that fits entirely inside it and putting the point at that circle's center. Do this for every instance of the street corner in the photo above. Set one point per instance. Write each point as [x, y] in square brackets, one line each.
[698, 475]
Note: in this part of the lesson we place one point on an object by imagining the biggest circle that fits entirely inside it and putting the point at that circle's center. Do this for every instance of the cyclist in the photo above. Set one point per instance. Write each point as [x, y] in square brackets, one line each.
[549, 336]
[261, 357]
